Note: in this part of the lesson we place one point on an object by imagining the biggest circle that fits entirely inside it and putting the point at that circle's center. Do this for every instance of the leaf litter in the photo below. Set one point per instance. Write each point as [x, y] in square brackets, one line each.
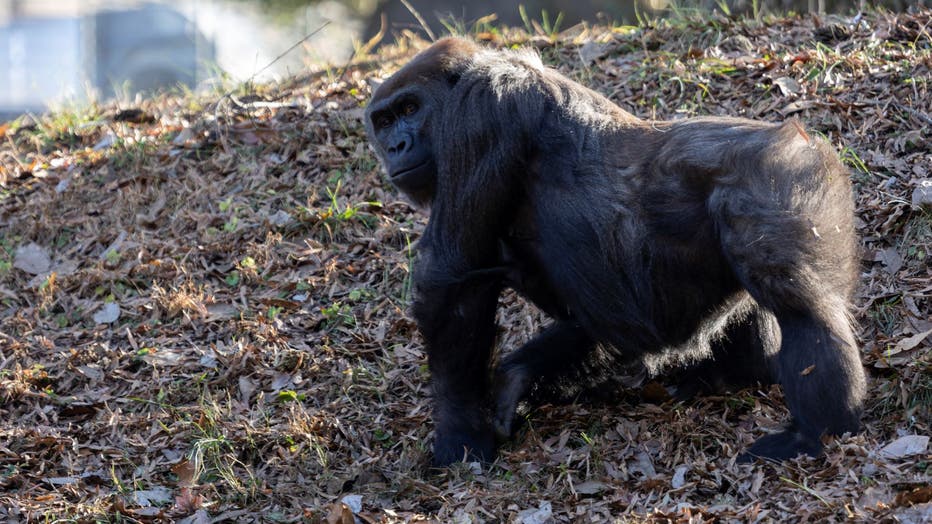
[203, 304]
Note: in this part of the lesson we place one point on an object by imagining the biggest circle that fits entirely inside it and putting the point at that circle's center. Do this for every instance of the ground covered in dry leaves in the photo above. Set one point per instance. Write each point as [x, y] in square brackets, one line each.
[203, 304]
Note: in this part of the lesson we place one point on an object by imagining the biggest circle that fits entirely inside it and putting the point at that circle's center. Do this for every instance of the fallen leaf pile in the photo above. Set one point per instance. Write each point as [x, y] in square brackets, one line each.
[203, 303]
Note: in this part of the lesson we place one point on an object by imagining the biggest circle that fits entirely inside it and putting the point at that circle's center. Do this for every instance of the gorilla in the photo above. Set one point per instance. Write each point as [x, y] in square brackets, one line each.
[723, 247]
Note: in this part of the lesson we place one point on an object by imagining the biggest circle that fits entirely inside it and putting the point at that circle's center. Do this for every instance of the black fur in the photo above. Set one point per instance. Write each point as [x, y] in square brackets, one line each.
[722, 246]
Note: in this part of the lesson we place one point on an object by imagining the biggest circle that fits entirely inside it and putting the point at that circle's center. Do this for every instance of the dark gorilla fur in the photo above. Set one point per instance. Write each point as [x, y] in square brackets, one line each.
[723, 245]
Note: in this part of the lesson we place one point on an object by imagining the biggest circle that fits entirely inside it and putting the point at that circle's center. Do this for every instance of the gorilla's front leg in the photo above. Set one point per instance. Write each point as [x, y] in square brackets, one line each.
[457, 320]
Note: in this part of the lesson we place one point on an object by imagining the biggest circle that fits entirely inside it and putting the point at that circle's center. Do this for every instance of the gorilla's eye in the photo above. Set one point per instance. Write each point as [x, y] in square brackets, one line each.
[409, 108]
[383, 122]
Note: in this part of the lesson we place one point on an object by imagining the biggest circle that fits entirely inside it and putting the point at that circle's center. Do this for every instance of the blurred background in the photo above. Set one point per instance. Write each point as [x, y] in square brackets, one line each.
[55, 52]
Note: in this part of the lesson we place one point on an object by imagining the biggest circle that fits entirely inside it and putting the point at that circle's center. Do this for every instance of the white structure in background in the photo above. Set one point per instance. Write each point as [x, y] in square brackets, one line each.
[52, 51]
[49, 59]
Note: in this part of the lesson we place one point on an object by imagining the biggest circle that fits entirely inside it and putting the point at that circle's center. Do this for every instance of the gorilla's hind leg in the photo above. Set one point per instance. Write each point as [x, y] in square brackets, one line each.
[822, 379]
[560, 350]
[794, 252]
[742, 357]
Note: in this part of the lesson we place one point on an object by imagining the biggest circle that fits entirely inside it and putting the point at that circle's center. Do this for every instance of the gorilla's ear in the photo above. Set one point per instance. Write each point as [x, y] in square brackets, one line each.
[455, 56]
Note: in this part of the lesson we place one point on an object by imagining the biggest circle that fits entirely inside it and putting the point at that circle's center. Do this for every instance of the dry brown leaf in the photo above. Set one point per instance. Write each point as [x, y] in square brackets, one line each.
[186, 472]
[340, 514]
[187, 501]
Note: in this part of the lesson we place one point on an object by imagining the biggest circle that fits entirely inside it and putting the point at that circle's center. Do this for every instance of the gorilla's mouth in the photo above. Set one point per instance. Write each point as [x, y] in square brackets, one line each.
[411, 172]
[407, 170]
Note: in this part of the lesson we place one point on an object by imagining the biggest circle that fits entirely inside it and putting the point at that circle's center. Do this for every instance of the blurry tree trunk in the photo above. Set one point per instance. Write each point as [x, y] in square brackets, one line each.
[817, 6]
[14, 9]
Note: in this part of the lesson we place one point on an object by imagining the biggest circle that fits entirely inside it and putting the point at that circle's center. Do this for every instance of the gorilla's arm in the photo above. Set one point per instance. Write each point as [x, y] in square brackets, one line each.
[457, 319]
